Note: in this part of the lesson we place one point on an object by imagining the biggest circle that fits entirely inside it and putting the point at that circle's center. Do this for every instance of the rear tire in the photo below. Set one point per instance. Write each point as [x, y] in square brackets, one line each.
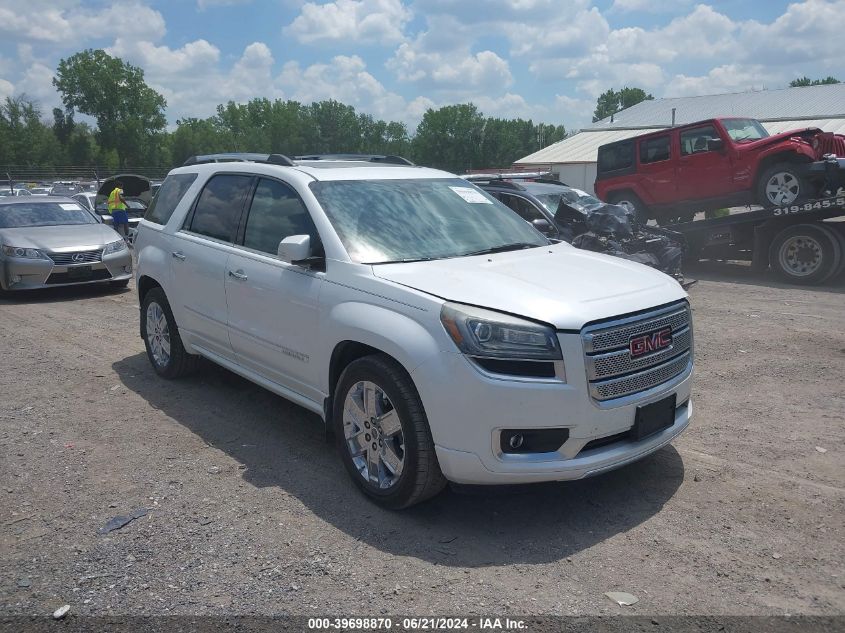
[383, 435]
[782, 184]
[805, 254]
[161, 338]
[838, 236]
[631, 201]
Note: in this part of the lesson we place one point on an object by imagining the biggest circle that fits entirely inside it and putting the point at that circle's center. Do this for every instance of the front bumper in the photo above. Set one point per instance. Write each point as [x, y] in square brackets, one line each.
[467, 408]
[32, 274]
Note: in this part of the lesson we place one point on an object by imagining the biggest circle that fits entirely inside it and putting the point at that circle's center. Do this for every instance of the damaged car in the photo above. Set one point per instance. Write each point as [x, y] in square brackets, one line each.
[574, 216]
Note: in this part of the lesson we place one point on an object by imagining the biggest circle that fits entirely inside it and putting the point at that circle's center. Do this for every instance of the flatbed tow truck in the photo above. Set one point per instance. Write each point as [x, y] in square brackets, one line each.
[803, 242]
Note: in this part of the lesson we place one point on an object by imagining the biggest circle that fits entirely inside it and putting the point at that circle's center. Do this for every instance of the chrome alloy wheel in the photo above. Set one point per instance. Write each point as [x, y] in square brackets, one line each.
[782, 188]
[800, 255]
[373, 434]
[158, 334]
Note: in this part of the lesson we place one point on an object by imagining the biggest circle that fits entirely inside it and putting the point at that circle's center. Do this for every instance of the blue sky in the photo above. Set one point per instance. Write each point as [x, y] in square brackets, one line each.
[540, 59]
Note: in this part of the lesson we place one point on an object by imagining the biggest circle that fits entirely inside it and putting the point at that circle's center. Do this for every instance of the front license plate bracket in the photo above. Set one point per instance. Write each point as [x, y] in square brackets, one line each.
[653, 418]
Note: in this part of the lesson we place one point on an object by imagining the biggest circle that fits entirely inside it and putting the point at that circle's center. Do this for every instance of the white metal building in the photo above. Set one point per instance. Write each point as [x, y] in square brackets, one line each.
[573, 160]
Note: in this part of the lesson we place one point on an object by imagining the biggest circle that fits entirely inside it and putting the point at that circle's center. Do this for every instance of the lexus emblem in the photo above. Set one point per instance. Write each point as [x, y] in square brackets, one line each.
[78, 257]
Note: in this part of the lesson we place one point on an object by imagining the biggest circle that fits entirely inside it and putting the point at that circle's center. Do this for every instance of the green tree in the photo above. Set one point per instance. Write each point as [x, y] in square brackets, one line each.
[450, 138]
[24, 139]
[613, 101]
[806, 81]
[129, 114]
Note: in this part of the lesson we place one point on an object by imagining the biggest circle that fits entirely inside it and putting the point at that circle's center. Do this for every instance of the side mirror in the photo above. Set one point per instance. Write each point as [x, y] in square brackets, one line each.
[715, 145]
[295, 248]
[542, 225]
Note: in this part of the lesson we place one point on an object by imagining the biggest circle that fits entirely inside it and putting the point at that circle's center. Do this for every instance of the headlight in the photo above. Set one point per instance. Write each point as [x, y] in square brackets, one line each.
[27, 253]
[114, 247]
[489, 334]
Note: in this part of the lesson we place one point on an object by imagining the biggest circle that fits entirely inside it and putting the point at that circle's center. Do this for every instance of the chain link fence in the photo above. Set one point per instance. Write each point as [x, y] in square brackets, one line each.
[25, 174]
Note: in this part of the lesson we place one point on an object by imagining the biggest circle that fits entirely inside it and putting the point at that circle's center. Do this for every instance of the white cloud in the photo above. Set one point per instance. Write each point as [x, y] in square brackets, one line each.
[722, 79]
[449, 71]
[647, 6]
[345, 79]
[350, 21]
[66, 22]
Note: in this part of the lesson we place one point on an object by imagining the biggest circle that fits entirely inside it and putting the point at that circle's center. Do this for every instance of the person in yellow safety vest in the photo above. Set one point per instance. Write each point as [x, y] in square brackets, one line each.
[117, 209]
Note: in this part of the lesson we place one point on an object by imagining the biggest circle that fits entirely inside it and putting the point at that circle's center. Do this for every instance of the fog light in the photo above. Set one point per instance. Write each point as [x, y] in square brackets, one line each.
[522, 441]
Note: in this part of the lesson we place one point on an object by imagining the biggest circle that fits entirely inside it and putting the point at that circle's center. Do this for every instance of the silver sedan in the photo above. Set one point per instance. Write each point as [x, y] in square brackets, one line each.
[52, 241]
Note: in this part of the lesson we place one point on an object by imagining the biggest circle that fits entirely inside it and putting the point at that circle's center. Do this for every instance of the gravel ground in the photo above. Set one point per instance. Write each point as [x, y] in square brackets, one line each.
[251, 512]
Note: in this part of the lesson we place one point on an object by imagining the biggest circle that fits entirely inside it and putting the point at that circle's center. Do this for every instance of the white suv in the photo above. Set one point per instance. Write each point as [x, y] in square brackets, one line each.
[439, 335]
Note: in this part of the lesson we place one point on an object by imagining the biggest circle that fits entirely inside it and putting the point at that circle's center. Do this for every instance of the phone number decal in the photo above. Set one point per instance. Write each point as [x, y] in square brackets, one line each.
[828, 203]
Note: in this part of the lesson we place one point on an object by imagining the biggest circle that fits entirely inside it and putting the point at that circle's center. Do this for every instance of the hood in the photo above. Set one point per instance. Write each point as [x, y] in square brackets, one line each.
[558, 284]
[74, 237]
[134, 186]
[805, 133]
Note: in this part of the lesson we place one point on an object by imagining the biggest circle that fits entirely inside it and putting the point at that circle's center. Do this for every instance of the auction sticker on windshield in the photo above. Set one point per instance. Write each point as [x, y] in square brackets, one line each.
[471, 195]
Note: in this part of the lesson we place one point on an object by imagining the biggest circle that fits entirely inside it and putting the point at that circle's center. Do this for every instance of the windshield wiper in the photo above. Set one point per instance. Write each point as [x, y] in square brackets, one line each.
[402, 261]
[502, 248]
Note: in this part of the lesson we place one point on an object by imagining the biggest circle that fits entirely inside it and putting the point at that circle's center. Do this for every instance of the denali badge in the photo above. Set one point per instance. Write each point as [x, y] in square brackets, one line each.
[651, 342]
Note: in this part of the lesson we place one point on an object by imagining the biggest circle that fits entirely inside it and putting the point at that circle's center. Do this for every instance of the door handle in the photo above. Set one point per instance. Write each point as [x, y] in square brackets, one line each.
[178, 255]
[238, 274]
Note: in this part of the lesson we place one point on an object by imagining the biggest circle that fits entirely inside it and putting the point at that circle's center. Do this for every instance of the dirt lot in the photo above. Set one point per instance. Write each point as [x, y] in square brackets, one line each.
[251, 511]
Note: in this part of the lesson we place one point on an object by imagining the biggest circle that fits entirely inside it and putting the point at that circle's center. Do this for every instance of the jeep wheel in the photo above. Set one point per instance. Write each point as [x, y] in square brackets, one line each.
[781, 184]
[383, 435]
[633, 203]
[161, 337]
[804, 254]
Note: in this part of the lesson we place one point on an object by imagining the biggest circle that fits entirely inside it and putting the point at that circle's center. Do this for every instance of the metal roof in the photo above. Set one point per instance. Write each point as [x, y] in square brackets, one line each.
[583, 146]
[809, 102]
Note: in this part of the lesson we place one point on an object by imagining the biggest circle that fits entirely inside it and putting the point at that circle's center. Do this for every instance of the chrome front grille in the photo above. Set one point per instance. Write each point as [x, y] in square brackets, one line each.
[613, 373]
[78, 257]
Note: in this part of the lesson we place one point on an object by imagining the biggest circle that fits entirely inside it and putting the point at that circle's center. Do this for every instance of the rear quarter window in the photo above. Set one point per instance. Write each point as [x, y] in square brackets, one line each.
[616, 157]
[168, 197]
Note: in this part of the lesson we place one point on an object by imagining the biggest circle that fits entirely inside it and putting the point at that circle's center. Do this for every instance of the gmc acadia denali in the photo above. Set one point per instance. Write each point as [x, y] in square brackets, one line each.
[440, 336]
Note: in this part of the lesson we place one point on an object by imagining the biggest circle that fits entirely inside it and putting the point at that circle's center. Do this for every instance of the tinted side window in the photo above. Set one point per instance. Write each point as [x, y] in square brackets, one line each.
[168, 197]
[276, 212]
[616, 156]
[219, 206]
[525, 209]
[653, 150]
[695, 141]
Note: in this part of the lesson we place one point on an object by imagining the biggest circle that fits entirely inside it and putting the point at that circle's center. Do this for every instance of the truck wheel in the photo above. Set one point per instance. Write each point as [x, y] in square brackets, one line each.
[838, 236]
[781, 184]
[383, 435]
[633, 203]
[804, 254]
[161, 337]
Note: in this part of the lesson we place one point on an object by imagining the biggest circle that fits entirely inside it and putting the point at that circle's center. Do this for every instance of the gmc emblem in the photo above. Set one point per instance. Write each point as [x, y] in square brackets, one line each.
[651, 342]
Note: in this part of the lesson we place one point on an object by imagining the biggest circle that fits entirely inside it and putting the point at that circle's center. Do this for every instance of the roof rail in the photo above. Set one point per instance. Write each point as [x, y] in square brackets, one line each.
[272, 159]
[518, 175]
[370, 158]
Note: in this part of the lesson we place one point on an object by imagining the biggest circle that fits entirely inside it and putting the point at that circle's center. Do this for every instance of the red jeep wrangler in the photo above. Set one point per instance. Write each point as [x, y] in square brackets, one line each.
[671, 174]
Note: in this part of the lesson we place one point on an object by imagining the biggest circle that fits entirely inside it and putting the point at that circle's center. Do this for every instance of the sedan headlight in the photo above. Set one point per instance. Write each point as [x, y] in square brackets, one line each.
[26, 253]
[488, 334]
[114, 247]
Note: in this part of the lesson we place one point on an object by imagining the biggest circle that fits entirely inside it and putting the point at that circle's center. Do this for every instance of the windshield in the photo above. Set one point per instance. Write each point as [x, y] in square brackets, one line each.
[382, 221]
[575, 198]
[46, 214]
[744, 130]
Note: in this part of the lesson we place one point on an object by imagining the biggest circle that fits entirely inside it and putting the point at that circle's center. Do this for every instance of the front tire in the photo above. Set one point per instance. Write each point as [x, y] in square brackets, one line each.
[383, 435]
[781, 184]
[161, 338]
